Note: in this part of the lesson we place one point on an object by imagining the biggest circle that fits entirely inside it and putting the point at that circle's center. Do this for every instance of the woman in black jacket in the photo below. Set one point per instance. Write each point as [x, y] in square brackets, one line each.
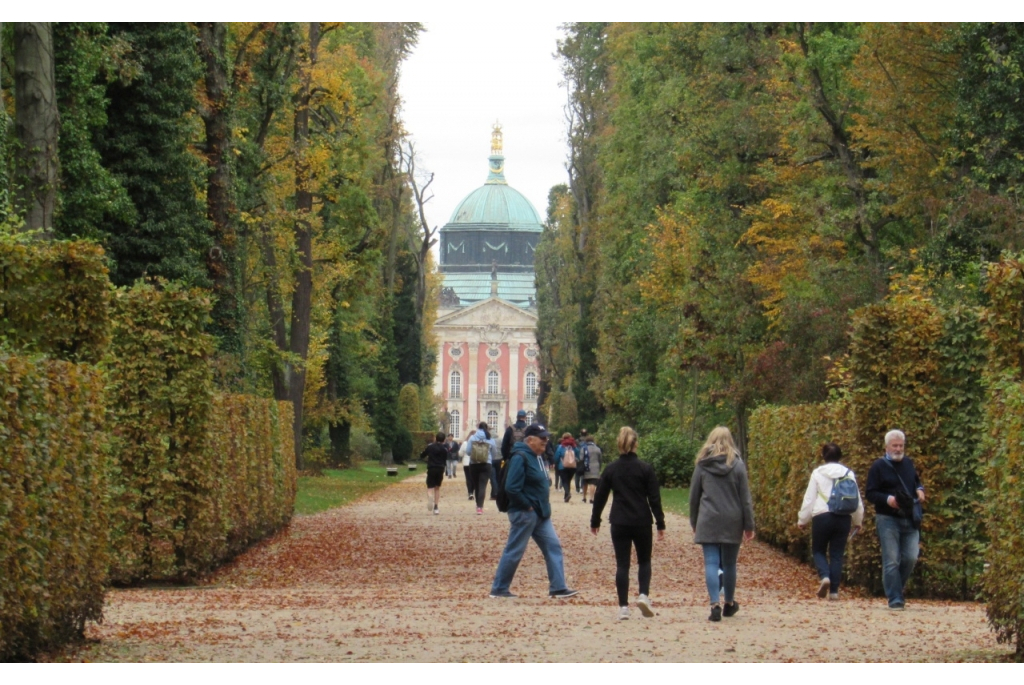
[636, 496]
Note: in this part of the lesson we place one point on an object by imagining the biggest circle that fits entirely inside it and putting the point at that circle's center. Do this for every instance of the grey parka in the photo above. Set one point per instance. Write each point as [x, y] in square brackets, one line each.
[721, 508]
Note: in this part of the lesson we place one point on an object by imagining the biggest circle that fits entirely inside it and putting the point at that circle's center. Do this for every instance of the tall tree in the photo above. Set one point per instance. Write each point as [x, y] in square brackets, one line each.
[146, 146]
[36, 123]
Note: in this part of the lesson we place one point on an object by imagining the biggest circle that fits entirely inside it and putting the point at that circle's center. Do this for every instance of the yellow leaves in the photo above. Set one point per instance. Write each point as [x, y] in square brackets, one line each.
[673, 241]
[788, 243]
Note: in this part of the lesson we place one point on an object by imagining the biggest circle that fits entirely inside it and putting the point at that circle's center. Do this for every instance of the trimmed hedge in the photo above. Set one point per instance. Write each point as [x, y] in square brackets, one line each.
[54, 298]
[1002, 582]
[197, 477]
[53, 519]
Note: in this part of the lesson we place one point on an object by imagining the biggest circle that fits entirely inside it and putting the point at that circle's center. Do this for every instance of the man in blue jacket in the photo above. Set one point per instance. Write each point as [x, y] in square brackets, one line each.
[529, 516]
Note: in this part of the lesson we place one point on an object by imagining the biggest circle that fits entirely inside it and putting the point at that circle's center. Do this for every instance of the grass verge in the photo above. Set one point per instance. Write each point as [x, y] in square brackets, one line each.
[676, 500]
[337, 487]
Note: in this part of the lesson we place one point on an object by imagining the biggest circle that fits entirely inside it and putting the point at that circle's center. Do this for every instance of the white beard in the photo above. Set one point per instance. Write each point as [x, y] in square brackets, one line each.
[896, 458]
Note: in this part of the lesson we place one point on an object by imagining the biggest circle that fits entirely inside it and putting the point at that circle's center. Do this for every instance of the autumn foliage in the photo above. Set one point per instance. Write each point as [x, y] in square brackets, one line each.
[54, 298]
[53, 491]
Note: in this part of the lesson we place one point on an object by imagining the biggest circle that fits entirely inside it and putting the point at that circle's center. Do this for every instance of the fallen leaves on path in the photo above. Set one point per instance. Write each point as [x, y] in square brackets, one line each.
[384, 580]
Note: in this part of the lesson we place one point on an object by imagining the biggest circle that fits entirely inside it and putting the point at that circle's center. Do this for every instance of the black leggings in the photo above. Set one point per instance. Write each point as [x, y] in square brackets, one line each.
[480, 474]
[624, 538]
[567, 475]
[470, 488]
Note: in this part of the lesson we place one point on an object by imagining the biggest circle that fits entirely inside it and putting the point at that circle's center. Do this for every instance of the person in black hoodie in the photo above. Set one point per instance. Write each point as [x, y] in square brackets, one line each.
[436, 454]
[513, 434]
[892, 486]
[636, 496]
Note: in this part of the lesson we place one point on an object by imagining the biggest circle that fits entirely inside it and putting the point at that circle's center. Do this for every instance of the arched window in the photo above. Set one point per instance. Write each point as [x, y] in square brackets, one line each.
[529, 417]
[454, 424]
[492, 420]
[492, 384]
[455, 386]
[531, 384]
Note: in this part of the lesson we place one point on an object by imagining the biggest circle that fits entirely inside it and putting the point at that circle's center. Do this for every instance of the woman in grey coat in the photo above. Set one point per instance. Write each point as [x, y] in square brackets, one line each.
[721, 514]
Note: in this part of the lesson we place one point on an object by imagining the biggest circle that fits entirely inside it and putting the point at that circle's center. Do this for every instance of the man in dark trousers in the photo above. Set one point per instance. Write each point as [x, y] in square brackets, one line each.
[893, 485]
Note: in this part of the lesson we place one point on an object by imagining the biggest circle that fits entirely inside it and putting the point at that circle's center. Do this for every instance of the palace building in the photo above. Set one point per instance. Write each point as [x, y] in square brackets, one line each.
[488, 361]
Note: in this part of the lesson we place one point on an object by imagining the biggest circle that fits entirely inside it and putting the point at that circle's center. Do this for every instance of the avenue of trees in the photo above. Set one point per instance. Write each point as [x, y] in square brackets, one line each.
[737, 190]
[265, 162]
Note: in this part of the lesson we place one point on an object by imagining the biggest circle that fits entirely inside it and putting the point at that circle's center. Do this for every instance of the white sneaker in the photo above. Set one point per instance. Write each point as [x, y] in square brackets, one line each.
[623, 613]
[644, 604]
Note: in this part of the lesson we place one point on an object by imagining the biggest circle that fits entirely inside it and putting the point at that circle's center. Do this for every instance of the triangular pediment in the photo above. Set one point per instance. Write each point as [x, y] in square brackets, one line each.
[489, 313]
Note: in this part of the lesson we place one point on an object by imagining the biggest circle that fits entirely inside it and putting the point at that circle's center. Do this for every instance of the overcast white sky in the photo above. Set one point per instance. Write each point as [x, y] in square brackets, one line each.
[462, 77]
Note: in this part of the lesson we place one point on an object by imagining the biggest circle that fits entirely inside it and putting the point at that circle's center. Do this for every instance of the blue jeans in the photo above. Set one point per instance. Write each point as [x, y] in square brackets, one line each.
[722, 556]
[900, 543]
[828, 546]
[523, 526]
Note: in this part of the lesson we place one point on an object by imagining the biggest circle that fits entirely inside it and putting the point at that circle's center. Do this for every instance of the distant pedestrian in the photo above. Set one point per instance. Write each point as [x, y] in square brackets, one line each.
[464, 455]
[895, 489]
[436, 454]
[833, 505]
[529, 516]
[590, 466]
[578, 476]
[636, 497]
[453, 456]
[482, 453]
[513, 434]
[721, 514]
[565, 463]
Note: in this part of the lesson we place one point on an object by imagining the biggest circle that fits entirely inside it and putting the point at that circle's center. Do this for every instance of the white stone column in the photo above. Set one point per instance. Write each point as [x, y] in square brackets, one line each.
[513, 381]
[439, 376]
[472, 408]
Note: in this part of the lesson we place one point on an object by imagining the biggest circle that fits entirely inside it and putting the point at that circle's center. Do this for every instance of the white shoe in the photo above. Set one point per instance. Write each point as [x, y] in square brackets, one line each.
[623, 613]
[644, 604]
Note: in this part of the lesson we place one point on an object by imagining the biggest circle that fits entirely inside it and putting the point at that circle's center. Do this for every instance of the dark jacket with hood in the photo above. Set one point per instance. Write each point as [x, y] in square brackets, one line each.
[636, 490]
[509, 440]
[721, 508]
[526, 483]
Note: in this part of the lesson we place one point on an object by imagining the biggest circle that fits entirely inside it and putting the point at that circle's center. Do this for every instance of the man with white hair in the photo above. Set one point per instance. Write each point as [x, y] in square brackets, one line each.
[893, 486]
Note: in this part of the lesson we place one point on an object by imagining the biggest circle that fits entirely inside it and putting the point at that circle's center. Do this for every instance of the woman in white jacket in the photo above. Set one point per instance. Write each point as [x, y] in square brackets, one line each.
[829, 531]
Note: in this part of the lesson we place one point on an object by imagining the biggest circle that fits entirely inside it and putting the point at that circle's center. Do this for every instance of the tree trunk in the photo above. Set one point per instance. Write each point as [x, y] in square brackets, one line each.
[215, 113]
[35, 123]
[302, 296]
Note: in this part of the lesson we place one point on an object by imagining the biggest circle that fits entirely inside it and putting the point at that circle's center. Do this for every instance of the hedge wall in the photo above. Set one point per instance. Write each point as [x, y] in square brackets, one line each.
[53, 519]
[1003, 498]
[197, 477]
[54, 298]
[159, 394]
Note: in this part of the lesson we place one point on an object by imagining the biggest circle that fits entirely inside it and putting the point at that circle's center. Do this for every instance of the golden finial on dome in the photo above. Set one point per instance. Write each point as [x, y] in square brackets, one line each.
[496, 139]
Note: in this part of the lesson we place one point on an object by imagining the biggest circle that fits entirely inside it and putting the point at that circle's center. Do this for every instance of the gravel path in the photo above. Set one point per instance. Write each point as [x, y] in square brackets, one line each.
[384, 580]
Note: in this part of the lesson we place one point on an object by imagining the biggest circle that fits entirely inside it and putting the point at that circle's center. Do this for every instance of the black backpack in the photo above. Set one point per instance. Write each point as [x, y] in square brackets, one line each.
[500, 496]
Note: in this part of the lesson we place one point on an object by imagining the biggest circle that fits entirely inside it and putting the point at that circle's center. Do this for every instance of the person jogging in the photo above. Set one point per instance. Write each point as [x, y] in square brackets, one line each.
[436, 454]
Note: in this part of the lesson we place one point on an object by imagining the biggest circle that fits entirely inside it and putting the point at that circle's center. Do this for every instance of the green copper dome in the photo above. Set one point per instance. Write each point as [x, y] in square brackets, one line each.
[496, 202]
